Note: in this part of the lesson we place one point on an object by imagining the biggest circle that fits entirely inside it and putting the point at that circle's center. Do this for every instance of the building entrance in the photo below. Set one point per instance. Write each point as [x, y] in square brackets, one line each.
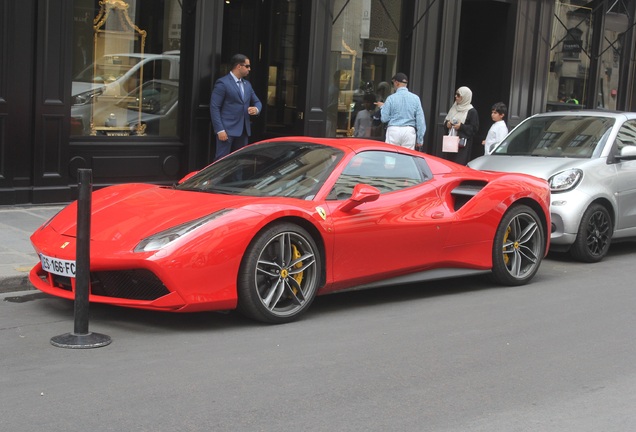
[484, 58]
[274, 35]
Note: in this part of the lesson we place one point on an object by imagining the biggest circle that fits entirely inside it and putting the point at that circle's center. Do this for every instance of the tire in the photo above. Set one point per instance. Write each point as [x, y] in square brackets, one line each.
[594, 236]
[519, 246]
[279, 275]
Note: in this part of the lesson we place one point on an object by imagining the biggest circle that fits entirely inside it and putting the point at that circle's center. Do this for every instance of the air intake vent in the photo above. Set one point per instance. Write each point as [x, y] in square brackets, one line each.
[137, 284]
[465, 191]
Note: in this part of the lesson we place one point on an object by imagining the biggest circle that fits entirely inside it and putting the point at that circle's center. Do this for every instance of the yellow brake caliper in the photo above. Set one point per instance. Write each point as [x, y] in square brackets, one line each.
[505, 257]
[295, 255]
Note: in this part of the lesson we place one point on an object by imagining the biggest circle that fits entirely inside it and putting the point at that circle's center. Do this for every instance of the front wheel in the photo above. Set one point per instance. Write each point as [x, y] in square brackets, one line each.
[594, 236]
[279, 274]
[519, 246]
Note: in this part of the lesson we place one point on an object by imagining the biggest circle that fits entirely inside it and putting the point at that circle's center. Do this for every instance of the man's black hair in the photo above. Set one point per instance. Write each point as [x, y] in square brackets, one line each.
[237, 59]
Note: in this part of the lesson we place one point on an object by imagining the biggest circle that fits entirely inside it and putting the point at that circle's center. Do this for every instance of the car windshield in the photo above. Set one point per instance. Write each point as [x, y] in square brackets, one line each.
[274, 169]
[573, 136]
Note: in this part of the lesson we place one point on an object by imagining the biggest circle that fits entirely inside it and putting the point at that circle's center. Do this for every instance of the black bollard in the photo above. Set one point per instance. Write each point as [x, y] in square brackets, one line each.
[81, 337]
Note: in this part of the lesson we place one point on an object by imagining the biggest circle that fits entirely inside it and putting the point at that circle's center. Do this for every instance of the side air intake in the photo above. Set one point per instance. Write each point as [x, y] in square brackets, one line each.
[465, 191]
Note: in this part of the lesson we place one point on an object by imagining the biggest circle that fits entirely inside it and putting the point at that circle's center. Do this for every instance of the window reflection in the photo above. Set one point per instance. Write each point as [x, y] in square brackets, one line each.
[282, 169]
[123, 88]
[364, 50]
[626, 135]
[571, 54]
[563, 136]
[386, 171]
[616, 24]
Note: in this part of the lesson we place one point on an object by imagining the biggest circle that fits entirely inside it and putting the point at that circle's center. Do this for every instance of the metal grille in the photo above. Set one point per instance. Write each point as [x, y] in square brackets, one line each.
[139, 284]
[62, 282]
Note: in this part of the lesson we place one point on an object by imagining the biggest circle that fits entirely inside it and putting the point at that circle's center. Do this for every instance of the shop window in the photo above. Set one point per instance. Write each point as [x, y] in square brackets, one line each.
[571, 53]
[570, 56]
[364, 51]
[125, 68]
[616, 24]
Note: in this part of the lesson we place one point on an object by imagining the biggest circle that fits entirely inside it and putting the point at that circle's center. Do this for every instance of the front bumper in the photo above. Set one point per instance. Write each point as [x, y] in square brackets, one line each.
[138, 288]
[566, 211]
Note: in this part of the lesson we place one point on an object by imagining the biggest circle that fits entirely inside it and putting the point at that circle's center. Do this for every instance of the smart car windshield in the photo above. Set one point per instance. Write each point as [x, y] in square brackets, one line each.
[275, 169]
[558, 136]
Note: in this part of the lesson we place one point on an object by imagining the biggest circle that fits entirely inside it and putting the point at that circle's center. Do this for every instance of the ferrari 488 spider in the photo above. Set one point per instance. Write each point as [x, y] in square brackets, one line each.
[267, 228]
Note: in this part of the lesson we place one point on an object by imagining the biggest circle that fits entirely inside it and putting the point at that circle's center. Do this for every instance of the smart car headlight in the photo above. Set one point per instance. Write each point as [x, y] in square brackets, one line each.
[565, 180]
[163, 238]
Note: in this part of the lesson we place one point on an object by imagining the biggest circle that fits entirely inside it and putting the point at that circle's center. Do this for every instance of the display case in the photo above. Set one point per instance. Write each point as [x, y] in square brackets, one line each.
[346, 101]
[117, 72]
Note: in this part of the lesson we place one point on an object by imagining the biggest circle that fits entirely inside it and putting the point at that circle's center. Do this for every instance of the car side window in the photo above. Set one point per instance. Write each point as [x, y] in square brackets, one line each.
[386, 171]
[626, 136]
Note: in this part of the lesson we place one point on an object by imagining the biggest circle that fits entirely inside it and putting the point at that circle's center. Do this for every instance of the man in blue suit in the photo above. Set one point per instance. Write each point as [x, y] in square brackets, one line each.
[232, 103]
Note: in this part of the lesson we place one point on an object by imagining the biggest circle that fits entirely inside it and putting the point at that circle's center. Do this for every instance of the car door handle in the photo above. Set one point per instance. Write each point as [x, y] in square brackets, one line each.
[437, 215]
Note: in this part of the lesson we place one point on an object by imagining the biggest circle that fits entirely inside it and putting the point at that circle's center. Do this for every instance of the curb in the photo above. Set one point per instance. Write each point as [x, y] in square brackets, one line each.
[15, 283]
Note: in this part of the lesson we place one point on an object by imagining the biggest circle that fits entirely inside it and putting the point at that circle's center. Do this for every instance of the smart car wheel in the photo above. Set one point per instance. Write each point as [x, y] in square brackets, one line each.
[519, 246]
[594, 235]
[279, 274]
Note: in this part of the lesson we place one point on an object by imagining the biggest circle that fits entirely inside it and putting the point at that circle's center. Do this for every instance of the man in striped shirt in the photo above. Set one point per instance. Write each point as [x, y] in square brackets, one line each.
[404, 114]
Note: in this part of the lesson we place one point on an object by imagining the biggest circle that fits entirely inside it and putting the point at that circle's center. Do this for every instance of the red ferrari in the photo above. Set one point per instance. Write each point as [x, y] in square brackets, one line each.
[271, 226]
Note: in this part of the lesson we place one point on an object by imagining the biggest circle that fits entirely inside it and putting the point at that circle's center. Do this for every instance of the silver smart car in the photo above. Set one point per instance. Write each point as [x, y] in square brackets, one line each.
[589, 160]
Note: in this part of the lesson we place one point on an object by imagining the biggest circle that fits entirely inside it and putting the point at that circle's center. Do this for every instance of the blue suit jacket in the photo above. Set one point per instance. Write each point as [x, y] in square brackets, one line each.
[228, 110]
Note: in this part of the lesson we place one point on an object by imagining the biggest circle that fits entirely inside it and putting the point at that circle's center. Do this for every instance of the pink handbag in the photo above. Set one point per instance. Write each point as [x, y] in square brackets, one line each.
[450, 143]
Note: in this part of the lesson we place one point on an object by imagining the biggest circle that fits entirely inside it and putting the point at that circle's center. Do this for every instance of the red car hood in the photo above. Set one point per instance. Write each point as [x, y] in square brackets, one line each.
[135, 211]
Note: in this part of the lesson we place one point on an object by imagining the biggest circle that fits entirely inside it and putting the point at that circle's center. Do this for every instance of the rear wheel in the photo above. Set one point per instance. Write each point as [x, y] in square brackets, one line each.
[519, 246]
[594, 236]
[279, 274]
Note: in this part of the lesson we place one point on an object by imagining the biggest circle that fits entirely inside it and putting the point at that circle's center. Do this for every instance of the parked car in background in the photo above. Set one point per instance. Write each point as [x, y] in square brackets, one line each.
[158, 111]
[116, 75]
[270, 226]
[589, 160]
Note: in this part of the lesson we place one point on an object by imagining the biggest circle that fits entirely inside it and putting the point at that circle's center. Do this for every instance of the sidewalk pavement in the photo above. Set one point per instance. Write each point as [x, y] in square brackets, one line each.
[17, 256]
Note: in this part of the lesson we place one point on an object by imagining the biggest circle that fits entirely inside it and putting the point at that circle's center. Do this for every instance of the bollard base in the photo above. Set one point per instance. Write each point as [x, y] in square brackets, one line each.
[88, 340]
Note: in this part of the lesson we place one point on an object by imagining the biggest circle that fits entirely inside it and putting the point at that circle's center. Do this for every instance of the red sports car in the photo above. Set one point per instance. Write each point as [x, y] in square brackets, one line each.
[272, 225]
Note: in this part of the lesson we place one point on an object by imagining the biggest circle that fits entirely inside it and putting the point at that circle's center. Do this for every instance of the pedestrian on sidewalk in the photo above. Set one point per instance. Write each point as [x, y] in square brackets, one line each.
[498, 130]
[403, 112]
[463, 118]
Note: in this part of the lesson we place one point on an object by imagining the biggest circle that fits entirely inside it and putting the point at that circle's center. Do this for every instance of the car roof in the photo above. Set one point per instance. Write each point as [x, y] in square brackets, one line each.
[143, 55]
[354, 144]
[588, 113]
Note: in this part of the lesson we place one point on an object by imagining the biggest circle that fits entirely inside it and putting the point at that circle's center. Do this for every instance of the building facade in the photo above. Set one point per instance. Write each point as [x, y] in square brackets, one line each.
[123, 87]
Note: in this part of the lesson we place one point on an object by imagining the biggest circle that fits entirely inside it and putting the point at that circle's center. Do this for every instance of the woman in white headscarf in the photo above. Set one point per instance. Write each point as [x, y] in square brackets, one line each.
[462, 117]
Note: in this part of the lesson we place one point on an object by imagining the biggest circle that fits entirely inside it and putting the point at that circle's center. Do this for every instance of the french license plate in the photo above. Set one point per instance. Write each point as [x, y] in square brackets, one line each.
[58, 266]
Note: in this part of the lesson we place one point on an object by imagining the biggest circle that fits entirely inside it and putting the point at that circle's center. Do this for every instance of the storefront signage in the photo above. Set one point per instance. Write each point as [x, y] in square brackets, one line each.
[381, 47]
[365, 24]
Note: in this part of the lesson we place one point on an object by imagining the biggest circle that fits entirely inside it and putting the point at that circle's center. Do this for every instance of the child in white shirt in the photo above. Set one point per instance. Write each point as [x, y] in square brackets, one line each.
[498, 130]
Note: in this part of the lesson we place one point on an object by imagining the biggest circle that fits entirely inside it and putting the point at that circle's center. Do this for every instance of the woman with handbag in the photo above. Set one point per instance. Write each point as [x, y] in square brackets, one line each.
[461, 121]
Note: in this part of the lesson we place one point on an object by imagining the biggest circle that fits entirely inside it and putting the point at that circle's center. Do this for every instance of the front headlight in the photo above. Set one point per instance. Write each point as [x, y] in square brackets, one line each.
[163, 238]
[565, 180]
[86, 97]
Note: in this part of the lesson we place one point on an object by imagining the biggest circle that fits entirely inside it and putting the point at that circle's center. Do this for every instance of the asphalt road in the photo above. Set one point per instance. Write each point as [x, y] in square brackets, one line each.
[454, 355]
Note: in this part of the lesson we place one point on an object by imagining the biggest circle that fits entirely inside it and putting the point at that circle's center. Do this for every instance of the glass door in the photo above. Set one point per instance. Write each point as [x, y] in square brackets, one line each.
[273, 34]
